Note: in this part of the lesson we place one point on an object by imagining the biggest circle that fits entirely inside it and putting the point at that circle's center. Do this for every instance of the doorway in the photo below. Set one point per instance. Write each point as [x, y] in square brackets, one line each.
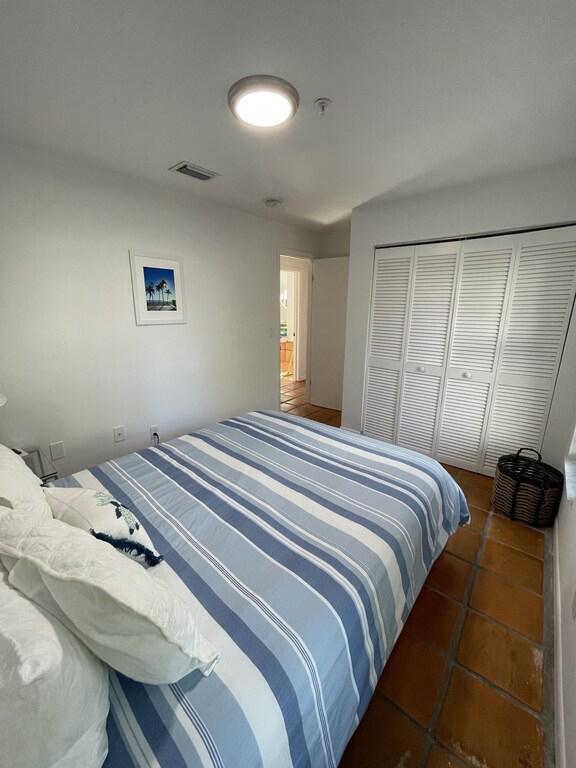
[295, 340]
[288, 340]
[295, 279]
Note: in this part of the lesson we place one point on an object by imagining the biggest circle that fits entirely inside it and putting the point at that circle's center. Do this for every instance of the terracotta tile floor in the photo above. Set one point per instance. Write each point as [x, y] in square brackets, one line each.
[293, 400]
[463, 687]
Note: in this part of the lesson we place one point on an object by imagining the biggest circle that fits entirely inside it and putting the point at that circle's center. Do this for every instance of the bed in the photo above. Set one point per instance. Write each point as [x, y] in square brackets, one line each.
[301, 548]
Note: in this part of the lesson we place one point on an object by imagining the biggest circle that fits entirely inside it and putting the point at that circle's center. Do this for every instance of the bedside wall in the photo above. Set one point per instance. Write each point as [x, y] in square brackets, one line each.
[73, 362]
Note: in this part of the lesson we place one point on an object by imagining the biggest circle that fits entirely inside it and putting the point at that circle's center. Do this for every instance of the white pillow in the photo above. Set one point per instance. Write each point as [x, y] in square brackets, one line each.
[125, 615]
[104, 517]
[20, 487]
[53, 690]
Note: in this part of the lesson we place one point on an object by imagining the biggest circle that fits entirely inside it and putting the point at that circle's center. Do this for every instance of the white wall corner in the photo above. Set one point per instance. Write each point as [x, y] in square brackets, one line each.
[334, 240]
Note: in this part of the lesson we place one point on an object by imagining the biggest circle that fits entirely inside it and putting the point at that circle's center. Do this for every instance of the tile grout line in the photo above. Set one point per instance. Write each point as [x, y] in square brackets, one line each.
[478, 612]
[454, 645]
[505, 694]
[516, 549]
[519, 635]
[547, 700]
[502, 576]
[452, 660]
[476, 569]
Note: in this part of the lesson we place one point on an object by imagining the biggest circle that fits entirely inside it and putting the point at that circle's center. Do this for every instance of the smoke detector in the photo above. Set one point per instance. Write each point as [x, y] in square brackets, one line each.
[321, 105]
[272, 202]
[195, 171]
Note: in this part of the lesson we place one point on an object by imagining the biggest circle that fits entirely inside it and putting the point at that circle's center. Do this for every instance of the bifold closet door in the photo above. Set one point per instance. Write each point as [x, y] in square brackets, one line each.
[386, 340]
[542, 297]
[465, 344]
[482, 291]
[428, 331]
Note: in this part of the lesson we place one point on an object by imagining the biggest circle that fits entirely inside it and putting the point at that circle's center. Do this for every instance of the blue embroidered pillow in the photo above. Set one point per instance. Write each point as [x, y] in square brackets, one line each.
[106, 519]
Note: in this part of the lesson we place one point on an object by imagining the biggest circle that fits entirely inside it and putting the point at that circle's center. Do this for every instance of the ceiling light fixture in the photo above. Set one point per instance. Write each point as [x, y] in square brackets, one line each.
[263, 100]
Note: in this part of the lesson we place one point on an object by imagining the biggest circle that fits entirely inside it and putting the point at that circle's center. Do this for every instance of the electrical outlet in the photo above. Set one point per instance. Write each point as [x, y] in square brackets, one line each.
[57, 450]
[154, 430]
[119, 434]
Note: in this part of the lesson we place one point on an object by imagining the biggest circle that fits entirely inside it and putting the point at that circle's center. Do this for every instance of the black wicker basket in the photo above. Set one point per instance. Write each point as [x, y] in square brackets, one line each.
[526, 489]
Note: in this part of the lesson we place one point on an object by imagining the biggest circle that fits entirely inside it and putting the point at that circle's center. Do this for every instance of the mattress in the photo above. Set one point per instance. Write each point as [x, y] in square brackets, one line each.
[301, 548]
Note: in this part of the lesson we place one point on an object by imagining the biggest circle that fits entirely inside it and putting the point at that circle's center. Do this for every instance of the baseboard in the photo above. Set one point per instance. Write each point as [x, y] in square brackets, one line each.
[559, 694]
[349, 429]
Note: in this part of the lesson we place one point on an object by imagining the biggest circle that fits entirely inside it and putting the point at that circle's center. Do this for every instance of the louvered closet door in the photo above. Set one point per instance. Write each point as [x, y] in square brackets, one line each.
[537, 321]
[428, 331]
[388, 319]
[483, 285]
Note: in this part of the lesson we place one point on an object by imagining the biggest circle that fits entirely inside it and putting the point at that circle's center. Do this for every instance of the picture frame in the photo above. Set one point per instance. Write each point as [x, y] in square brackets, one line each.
[157, 289]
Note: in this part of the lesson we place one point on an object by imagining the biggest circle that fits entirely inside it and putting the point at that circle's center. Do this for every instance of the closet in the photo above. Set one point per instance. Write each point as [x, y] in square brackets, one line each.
[465, 341]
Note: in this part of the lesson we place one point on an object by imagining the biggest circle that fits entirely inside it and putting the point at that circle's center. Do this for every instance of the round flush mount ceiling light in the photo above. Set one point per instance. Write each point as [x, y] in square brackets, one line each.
[263, 100]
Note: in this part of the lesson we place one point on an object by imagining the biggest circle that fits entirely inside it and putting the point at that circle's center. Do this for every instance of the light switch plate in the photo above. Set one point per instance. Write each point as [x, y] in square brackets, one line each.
[57, 450]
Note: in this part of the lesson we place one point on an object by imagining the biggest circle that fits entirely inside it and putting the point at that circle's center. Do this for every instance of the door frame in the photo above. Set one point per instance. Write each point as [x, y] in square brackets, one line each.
[301, 262]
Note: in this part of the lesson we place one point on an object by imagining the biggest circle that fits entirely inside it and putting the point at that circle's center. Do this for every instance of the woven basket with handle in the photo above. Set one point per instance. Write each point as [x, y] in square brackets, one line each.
[527, 489]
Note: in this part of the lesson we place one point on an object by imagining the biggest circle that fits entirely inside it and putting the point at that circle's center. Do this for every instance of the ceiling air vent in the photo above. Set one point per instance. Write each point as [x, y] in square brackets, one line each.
[201, 174]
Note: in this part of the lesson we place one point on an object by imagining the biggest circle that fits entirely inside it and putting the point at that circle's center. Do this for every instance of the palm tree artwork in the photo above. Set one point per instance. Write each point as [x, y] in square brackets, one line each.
[160, 288]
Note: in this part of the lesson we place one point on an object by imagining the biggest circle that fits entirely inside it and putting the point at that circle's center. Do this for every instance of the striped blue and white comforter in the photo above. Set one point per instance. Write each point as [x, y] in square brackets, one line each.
[301, 548]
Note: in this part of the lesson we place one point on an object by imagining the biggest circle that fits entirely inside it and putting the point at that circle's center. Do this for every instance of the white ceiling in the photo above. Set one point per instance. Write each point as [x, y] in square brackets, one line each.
[425, 93]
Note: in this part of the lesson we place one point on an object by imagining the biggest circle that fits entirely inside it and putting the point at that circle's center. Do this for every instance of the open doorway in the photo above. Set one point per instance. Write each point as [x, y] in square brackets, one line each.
[296, 332]
[295, 279]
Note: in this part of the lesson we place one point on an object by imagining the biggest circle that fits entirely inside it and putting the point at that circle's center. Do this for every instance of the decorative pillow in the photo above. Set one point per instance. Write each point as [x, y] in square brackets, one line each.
[20, 487]
[105, 518]
[122, 612]
[53, 690]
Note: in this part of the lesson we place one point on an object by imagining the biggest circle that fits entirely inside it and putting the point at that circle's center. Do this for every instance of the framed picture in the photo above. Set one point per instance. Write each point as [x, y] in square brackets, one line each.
[158, 288]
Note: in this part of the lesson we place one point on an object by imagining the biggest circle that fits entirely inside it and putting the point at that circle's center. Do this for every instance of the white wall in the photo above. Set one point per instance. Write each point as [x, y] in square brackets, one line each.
[536, 198]
[565, 628]
[73, 363]
[328, 331]
[334, 241]
[563, 411]
[559, 437]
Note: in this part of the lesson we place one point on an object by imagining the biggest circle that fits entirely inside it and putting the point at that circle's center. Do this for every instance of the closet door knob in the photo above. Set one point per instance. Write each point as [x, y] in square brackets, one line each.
[467, 375]
[421, 369]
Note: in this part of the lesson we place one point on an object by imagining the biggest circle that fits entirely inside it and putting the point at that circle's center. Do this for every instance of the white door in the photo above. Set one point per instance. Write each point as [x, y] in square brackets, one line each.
[482, 291]
[329, 294]
[292, 305]
[428, 332]
[543, 288]
[386, 340]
